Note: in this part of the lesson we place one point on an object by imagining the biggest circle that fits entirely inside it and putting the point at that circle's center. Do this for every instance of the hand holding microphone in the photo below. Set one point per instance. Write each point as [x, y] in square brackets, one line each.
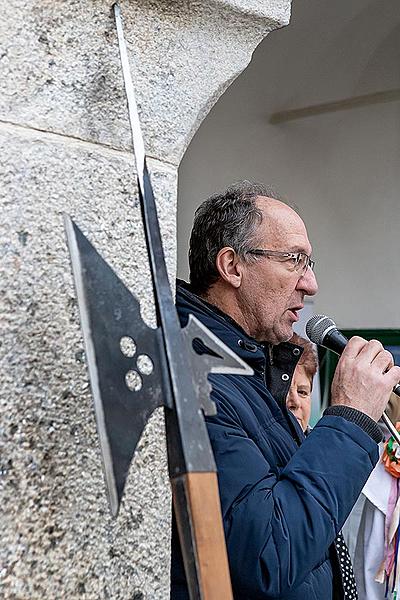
[365, 375]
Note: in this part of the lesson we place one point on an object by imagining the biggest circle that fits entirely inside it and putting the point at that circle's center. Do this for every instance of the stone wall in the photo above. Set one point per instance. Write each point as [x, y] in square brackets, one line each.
[65, 148]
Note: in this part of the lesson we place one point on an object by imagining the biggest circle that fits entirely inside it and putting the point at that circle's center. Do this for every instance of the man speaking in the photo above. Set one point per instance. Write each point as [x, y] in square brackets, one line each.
[284, 497]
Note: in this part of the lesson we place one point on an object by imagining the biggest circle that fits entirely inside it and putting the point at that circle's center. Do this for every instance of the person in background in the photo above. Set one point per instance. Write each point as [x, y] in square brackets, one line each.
[371, 531]
[298, 400]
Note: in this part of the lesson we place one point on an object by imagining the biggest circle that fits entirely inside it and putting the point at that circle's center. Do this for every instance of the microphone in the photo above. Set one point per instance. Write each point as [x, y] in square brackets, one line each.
[322, 331]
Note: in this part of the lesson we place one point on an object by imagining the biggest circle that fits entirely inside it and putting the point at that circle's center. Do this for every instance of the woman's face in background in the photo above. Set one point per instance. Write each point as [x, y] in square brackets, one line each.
[298, 400]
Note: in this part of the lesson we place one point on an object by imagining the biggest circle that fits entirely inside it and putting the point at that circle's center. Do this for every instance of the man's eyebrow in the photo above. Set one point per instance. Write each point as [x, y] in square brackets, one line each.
[299, 249]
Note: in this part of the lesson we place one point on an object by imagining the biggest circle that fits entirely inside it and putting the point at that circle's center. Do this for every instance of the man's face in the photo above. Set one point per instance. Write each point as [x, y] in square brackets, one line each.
[271, 294]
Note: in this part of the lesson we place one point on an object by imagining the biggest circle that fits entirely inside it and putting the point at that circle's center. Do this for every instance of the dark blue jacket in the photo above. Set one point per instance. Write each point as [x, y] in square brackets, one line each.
[284, 497]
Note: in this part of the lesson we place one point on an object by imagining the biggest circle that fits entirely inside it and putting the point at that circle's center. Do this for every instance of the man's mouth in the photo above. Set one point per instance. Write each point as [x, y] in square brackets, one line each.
[294, 310]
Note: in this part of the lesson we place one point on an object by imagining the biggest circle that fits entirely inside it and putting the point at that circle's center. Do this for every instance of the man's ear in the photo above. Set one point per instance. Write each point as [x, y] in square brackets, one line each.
[229, 266]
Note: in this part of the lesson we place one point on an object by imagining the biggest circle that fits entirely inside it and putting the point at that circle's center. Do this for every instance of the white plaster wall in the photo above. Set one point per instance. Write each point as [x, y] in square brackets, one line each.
[341, 169]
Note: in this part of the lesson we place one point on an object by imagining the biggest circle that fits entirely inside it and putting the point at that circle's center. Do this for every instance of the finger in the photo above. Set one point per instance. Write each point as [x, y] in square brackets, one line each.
[392, 376]
[383, 361]
[370, 351]
[354, 347]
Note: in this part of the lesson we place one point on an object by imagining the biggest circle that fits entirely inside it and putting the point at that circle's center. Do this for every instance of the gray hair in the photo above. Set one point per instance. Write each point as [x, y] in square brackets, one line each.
[229, 218]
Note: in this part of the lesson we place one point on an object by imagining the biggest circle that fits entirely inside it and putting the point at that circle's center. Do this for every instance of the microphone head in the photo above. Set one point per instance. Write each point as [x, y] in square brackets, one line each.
[318, 326]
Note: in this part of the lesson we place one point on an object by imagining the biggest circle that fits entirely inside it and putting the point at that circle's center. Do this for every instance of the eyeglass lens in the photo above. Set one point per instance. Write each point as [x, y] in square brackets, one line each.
[303, 263]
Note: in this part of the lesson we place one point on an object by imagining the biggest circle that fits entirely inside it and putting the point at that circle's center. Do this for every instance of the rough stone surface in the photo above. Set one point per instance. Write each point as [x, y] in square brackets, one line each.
[66, 75]
[64, 142]
[58, 539]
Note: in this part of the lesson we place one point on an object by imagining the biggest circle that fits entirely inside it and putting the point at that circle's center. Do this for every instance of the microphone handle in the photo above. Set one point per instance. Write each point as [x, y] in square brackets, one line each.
[391, 427]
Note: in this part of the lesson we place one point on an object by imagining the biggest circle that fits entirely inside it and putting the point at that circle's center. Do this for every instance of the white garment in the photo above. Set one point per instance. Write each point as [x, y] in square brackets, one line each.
[364, 532]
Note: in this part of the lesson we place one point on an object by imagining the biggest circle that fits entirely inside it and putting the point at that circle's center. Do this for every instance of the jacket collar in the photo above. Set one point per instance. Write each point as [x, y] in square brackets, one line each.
[276, 363]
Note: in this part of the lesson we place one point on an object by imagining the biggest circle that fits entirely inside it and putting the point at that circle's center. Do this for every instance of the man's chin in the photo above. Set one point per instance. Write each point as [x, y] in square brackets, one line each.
[277, 335]
[279, 338]
[286, 334]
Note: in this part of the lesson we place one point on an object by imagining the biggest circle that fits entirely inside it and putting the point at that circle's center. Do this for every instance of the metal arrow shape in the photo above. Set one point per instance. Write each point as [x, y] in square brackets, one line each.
[126, 362]
[116, 340]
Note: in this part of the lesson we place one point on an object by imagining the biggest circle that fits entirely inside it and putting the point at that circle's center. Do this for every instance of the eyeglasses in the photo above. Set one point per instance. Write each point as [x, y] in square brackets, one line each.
[298, 261]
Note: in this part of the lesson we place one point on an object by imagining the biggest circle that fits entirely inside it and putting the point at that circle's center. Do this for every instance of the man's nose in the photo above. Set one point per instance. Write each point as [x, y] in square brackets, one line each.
[308, 283]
